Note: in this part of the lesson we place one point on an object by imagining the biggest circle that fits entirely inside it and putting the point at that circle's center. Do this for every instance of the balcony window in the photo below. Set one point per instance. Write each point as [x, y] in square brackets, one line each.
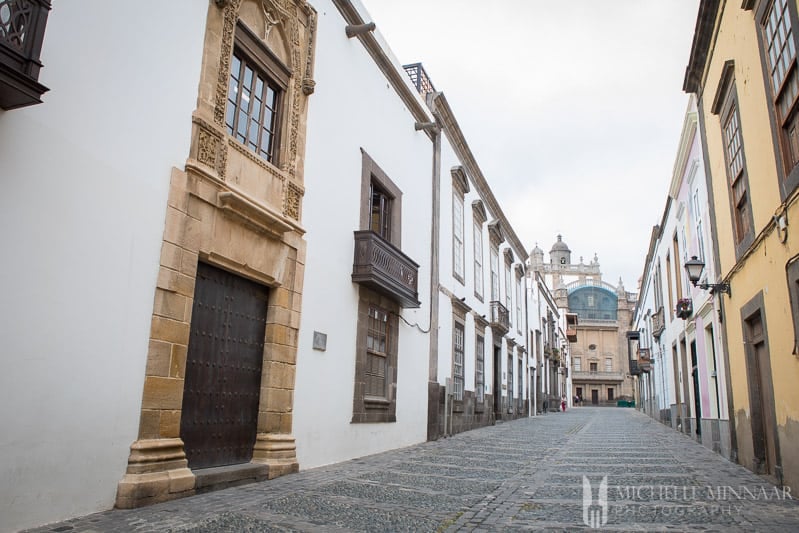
[380, 208]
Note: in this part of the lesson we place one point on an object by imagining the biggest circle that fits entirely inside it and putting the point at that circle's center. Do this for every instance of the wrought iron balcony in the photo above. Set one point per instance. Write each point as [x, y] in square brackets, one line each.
[500, 320]
[419, 78]
[635, 370]
[381, 266]
[658, 323]
[22, 24]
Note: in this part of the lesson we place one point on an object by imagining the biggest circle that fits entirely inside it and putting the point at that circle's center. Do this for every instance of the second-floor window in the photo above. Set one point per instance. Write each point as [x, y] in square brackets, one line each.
[593, 367]
[608, 364]
[478, 259]
[494, 274]
[508, 290]
[733, 145]
[458, 259]
[252, 107]
[578, 364]
[779, 46]
[725, 106]
[519, 304]
[257, 84]
[380, 211]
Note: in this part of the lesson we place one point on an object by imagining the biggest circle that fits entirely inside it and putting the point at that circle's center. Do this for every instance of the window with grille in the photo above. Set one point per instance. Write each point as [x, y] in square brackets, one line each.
[478, 259]
[577, 364]
[377, 338]
[457, 360]
[479, 369]
[458, 259]
[608, 364]
[779, 48]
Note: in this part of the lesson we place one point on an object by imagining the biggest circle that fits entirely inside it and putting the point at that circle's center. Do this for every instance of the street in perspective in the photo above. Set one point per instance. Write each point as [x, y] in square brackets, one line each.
[542, 473]
[380, 265]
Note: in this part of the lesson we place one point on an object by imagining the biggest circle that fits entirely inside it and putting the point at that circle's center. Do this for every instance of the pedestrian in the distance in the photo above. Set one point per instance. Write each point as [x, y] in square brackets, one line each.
[563, 403]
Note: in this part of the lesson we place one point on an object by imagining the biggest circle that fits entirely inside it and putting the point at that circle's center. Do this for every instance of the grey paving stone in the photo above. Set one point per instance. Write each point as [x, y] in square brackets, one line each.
[525, 475]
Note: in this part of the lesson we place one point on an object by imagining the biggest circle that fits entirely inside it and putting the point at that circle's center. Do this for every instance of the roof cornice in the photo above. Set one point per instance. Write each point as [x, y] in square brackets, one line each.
[703, 33]
[445, 115]
[385, 61]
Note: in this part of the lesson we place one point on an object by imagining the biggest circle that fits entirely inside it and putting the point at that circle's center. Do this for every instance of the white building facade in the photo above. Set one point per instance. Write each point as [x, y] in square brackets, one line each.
[362, 366]
[482, 358]
[153, 202]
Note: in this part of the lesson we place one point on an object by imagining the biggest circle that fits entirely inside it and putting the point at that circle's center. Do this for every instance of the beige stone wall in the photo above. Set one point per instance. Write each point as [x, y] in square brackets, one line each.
[230, 208]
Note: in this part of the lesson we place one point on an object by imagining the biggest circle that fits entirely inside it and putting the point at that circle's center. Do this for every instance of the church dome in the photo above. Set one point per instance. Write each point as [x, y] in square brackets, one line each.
[560, 246]
[560, 253]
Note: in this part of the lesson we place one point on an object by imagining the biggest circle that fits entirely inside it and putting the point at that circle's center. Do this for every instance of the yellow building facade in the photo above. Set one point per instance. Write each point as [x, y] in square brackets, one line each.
[743, 69]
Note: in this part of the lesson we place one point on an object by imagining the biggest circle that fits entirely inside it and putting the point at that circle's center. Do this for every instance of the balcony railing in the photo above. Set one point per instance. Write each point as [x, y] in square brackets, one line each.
[635, 370]
[22, 24]
[419, 78]
[571, 334]
[583, 375]
[500, 319]
[381, 266]
[658, 323]
[644, 360]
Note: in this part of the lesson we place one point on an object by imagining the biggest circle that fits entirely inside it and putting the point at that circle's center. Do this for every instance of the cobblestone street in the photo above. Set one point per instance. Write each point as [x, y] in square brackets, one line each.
[522, 475]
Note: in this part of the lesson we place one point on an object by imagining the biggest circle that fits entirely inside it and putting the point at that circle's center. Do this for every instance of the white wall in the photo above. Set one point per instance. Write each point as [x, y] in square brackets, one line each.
[354, 107]
[85, 177]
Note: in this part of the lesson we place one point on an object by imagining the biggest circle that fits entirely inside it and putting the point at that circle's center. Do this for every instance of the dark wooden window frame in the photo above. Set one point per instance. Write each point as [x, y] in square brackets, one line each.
[366, 408]
[725, 106]
[371, 174]
[458, 378]
[254, 54]
[787, 169]
[479, 371]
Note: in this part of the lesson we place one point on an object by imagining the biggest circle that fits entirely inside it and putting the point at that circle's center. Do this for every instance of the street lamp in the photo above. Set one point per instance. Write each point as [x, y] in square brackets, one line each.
[694, 269]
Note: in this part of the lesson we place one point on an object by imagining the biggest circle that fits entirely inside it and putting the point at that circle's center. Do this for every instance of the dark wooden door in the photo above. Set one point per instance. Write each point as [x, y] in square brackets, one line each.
[223, 369]
[594, 397]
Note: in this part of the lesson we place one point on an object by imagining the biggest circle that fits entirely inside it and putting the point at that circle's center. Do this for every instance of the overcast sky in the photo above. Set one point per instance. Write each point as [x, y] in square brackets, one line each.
[573, 109]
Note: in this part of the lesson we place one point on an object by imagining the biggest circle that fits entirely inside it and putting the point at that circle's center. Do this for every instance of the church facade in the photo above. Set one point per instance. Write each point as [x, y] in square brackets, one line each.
[594, 319]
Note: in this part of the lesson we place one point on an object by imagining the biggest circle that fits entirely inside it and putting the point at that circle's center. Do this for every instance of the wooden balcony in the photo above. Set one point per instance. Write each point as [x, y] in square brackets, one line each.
[658, 323]
[383, 267]
[571, 327]
[500, 319]
[644, 360]
[22, 24]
